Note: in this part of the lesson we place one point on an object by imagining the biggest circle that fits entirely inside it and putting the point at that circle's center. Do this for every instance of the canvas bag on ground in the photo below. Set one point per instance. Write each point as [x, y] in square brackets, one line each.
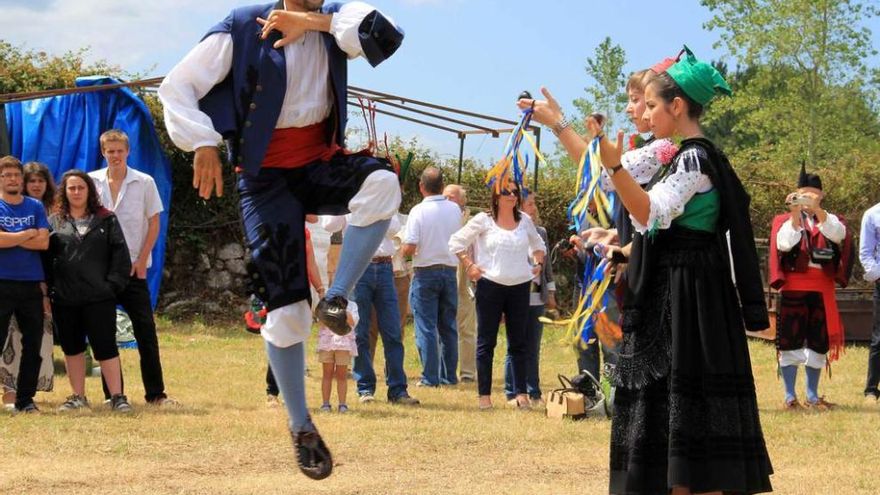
[566, 402]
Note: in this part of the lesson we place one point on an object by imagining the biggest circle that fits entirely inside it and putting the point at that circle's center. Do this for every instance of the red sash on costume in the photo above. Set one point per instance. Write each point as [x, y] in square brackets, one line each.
[296, 147]
[815, 280]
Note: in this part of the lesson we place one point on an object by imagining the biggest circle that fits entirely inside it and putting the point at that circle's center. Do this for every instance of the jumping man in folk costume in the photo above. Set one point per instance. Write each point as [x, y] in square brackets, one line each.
[271, 81]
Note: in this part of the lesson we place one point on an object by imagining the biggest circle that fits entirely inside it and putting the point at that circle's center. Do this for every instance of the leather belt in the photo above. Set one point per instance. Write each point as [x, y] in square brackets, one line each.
[381, 259]
[433, 267]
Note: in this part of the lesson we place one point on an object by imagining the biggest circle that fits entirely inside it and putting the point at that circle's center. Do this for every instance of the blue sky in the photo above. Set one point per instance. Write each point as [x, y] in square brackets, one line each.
[471, 54]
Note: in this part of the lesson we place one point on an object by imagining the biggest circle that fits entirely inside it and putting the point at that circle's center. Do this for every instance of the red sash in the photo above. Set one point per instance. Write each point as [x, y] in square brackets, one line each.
[297, 147]
[816, 280]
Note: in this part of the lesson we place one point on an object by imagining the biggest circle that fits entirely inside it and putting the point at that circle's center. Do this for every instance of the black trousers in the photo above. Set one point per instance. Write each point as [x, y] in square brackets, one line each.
[25, 301]
[135, 300]
[874, 353]
[493, 300]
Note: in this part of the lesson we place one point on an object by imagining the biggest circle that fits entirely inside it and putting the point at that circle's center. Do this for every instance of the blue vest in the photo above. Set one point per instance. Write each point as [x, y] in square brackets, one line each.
[245, 106]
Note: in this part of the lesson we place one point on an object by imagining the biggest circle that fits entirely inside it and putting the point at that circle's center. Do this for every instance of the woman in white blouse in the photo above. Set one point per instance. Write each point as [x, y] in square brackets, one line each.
[506, 240]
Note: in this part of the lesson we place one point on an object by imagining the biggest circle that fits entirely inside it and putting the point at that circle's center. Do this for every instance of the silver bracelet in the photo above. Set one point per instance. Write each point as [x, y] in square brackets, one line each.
[560, 126]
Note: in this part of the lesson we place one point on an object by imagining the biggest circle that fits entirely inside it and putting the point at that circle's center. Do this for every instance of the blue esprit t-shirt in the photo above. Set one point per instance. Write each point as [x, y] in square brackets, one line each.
[18, 263]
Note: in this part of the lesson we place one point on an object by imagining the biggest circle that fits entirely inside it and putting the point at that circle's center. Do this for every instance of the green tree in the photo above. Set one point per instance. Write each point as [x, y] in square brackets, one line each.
[606, 93]
[805, 50]
[804, 90]
[27, 70]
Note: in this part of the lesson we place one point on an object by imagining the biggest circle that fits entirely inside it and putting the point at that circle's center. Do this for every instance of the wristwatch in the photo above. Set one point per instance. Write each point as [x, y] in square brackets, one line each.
[613, 170]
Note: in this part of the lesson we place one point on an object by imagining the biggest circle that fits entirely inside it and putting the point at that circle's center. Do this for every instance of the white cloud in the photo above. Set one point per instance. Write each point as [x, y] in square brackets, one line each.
[134, 34]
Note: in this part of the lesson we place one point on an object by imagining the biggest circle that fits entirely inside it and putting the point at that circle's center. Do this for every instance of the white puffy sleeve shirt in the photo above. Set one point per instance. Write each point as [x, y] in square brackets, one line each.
[503, 255]
[669, 196]
[307, 100]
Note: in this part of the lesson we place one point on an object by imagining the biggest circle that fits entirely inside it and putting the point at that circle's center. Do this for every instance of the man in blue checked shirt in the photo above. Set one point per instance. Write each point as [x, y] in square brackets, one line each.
[869, 255]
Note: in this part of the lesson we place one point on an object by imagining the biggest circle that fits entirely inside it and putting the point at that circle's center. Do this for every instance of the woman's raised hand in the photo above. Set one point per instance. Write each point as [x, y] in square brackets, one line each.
[611, 153]
[546, 112]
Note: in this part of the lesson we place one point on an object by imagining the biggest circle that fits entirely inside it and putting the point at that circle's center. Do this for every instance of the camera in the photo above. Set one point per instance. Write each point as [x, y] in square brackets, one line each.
[564, 245]
[799, 200]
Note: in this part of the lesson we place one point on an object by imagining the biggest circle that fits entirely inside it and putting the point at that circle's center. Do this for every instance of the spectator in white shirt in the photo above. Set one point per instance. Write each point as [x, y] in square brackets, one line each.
[433, 294]
[507, 242]
[134, 198]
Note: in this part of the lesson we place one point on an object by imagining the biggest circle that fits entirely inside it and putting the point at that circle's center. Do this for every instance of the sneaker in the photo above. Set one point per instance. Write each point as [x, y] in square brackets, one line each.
[73, 403]
[272, 401]
[325, 408]
[466, 379]
[29, 408]
[366, 398]
[331, 313]
[405, 400]
[119, 403]
[820, 405]
[871, 400]
[312, 455]
[163, 402]
[343, 408]
[422, 383]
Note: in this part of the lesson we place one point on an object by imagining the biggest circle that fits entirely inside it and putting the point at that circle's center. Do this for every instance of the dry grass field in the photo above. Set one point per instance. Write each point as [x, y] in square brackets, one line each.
[225, 440]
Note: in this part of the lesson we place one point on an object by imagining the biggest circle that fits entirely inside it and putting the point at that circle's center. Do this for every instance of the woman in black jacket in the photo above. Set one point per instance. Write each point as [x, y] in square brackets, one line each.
[90, 265]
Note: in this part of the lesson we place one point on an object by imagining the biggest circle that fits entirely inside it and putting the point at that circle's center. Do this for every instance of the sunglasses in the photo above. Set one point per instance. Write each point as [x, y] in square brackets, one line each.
[510, 192]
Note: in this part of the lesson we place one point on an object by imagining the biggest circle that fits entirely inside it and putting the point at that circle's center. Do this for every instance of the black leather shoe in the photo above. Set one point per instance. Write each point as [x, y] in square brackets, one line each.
[312, 455]
[331, 313]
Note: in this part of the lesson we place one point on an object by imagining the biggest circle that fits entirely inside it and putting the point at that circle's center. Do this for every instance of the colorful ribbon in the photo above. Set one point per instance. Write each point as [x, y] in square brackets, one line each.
[513, 163]
[589, 197]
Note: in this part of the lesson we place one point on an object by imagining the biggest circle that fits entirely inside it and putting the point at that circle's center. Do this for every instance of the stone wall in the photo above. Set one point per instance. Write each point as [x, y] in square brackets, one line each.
[206, 282]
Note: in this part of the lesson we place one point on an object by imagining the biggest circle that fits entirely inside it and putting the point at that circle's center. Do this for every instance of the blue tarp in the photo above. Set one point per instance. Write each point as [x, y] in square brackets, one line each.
[63, 132]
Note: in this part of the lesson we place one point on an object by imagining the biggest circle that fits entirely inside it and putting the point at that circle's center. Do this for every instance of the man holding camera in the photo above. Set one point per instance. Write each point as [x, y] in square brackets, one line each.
[809, 252]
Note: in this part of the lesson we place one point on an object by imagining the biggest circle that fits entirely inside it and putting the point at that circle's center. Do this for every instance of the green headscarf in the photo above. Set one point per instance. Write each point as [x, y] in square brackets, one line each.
[697, 79]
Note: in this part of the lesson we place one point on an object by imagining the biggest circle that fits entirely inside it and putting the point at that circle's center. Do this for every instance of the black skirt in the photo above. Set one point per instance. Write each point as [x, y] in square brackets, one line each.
[685, 407]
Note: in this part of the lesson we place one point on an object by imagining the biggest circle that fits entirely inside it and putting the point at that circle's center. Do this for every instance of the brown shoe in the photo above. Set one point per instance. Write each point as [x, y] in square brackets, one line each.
[792, 405]
[821, 405]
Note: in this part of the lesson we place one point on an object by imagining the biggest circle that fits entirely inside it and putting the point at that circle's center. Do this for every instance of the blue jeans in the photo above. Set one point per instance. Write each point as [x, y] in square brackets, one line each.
[433, 297]
[534, 332]
[874, 352]
[375, 289]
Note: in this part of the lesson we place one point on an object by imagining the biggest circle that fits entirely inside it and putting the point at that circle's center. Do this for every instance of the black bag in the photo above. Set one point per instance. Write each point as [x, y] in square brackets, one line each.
[595, 402]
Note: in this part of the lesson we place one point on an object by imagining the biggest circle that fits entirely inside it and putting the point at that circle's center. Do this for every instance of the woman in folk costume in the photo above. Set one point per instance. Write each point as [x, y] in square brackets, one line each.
[810, 250]
[686, 417]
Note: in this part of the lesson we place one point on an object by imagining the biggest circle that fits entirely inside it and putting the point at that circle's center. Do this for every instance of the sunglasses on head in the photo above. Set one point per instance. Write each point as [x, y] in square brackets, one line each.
[510, 192]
